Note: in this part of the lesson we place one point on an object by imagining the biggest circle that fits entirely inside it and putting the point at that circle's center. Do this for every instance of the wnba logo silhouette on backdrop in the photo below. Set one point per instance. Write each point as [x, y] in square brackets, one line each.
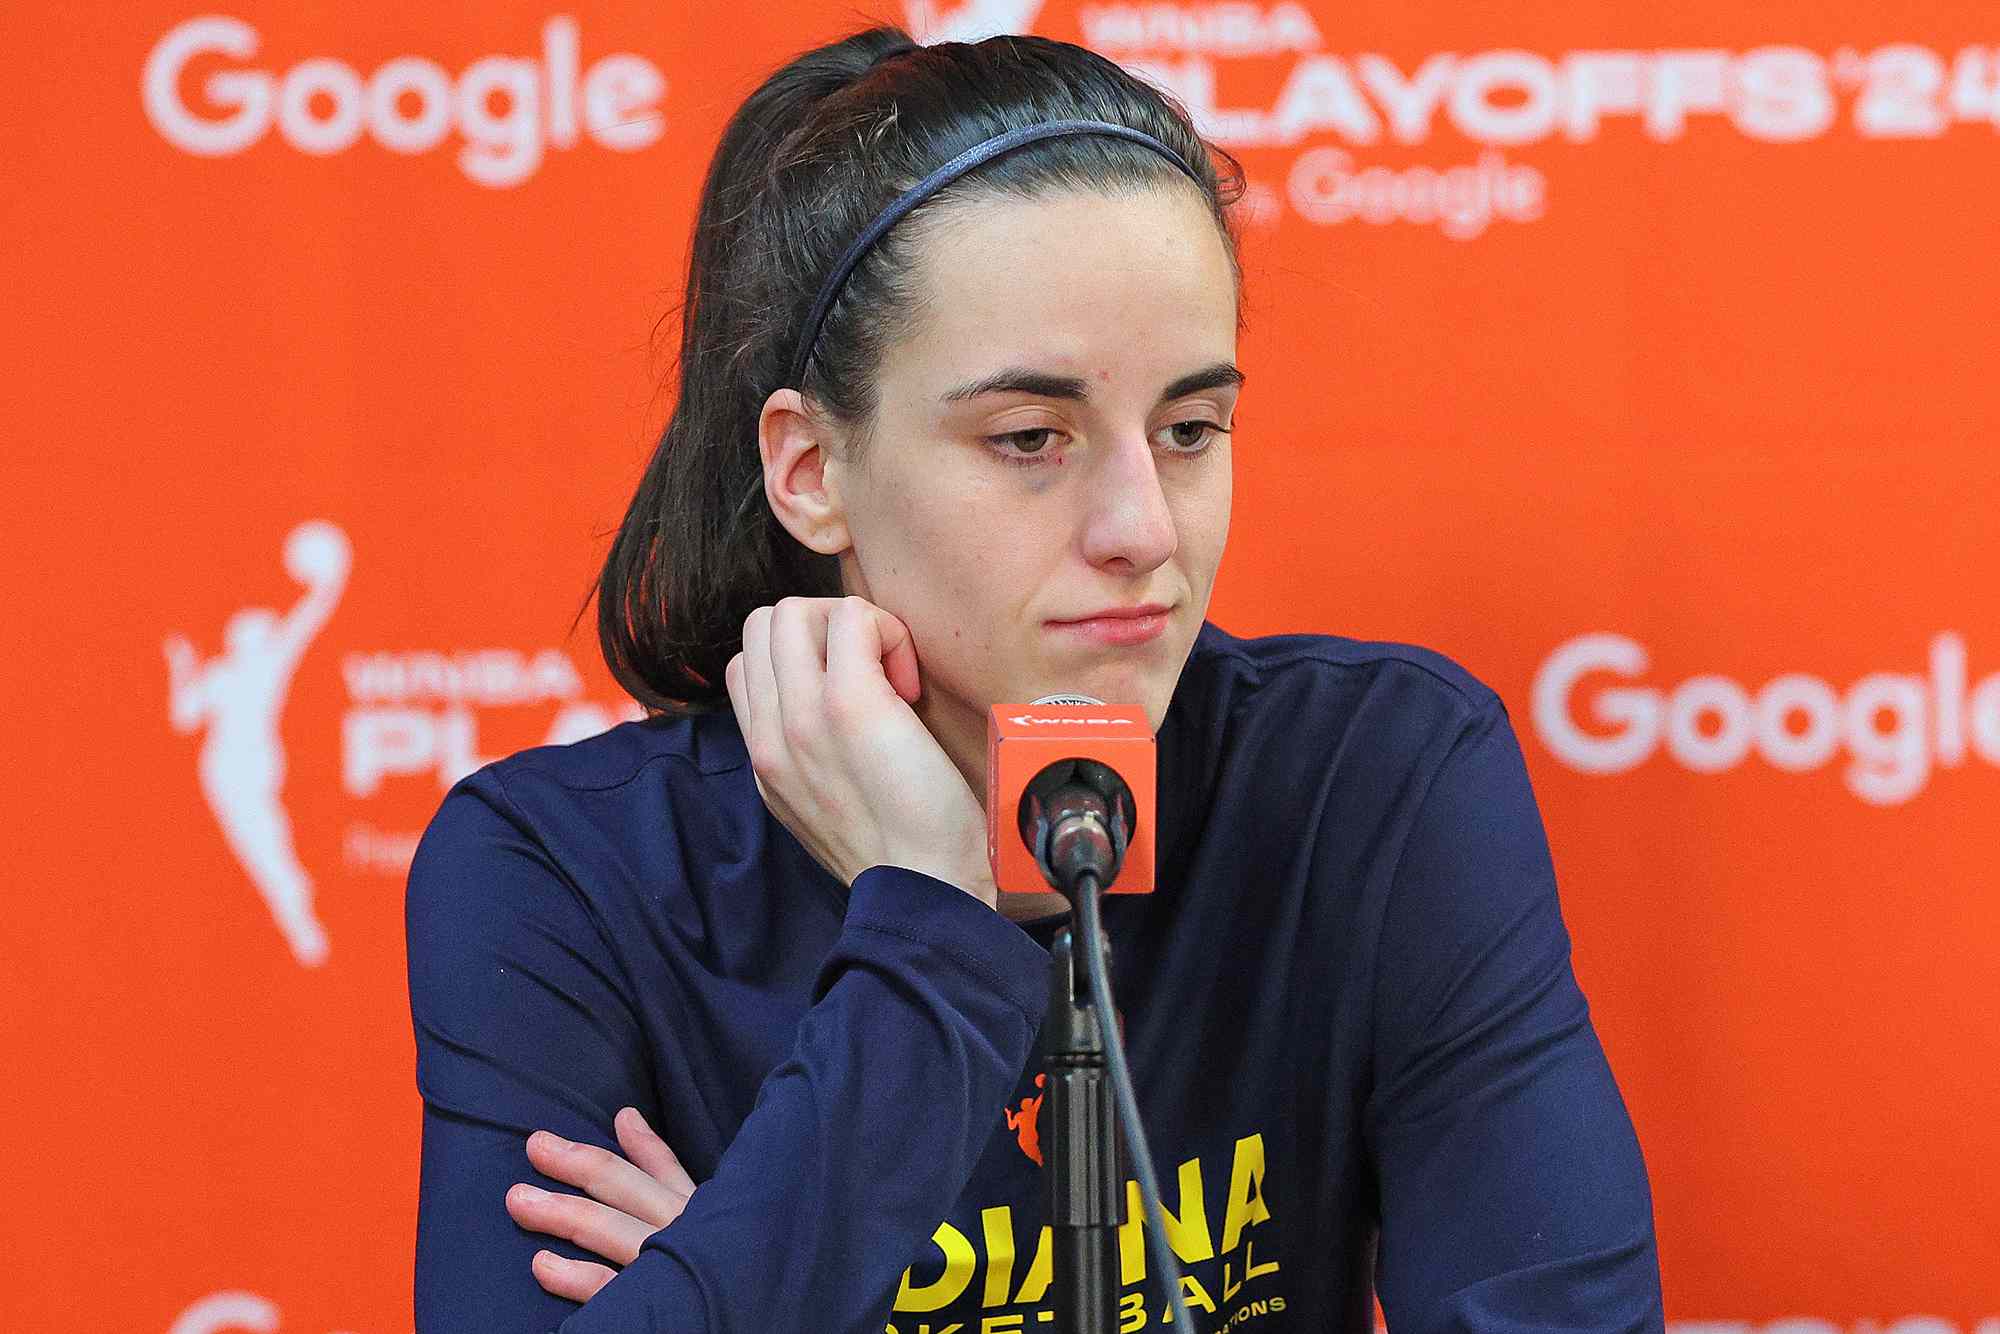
[238, 696]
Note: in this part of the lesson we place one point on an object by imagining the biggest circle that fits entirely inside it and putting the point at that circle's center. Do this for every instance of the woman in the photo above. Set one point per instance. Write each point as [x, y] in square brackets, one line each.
[991, 462]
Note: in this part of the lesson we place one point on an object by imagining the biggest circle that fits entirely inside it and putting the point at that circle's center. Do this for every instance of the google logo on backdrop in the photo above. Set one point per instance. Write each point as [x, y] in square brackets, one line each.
[409, 104]
[1895, 727]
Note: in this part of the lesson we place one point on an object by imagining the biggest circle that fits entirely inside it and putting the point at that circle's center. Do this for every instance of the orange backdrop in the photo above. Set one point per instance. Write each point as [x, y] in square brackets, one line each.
[1642, 357]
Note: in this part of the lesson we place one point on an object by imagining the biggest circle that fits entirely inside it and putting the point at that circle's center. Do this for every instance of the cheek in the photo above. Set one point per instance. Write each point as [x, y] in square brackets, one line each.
[934, 555]
[980, 573]
[1203, 517]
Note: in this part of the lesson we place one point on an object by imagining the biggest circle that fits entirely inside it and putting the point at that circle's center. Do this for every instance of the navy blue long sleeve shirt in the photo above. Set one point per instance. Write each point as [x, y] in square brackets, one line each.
[1360, 1051]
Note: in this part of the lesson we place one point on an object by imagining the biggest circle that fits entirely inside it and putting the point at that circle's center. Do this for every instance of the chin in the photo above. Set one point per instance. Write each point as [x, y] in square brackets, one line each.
[1129, 686]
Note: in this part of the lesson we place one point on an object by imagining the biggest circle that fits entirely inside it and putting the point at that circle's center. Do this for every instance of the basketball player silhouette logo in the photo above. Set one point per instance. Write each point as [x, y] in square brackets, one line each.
[1025, 1120]
[240, 696]
[1025, 1123]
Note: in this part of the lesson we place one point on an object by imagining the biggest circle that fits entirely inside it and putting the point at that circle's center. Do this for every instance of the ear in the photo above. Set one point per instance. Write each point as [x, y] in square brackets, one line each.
[795, 445]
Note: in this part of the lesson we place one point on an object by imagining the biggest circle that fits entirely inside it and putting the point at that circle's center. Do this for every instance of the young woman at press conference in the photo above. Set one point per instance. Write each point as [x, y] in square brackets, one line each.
[719, 1015]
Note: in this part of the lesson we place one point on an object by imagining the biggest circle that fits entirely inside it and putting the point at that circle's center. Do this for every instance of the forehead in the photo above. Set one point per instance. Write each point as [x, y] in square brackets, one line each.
[1130, 282]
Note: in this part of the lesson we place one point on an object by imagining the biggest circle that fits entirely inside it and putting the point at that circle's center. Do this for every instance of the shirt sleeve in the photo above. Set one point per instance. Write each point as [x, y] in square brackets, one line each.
[1513, 1194]
[923, 1016]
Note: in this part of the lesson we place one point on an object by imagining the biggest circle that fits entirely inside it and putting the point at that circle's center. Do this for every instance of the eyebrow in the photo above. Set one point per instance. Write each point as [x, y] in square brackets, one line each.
[1020, 379]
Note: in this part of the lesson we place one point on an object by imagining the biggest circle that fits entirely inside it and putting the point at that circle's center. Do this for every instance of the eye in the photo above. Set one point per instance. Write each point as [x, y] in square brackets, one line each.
[1194, 436]
[1024, 449]
[1030, 448]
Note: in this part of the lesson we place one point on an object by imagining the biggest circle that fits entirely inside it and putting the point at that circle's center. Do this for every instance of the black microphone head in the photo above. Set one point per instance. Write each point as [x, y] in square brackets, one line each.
[1077, 815]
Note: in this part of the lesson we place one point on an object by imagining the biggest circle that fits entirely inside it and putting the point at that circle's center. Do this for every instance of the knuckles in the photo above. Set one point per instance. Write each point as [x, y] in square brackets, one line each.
[567, 1160]
[547, 1212]
[796, 605]
[839, 709]
[774, 751]
[764, 761]
[585, 1164]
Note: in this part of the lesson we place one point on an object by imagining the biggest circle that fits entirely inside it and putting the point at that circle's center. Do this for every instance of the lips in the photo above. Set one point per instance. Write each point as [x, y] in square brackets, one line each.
[1118, 614]
[1117, 626]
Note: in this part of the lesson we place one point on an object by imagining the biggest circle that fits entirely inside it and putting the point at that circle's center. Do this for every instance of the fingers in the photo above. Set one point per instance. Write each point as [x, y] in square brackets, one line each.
[609, 1179]
[627, 1201]
[794, 650]
[798, 664]
[760, 685]
[577, 1280]
[739, 700]
[650, 1152]
[863, 641]
[604, 1231]
[820, 691]
[739, 693]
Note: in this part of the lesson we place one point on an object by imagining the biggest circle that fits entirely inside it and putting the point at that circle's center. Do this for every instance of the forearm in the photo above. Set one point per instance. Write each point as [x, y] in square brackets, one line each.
[860, 1142]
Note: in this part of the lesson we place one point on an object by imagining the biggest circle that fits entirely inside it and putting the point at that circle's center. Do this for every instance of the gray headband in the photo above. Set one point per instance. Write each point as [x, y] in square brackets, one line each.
[974, 156]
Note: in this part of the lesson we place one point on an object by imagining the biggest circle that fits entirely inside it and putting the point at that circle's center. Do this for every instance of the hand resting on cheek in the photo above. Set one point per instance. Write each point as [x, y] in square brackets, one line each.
[822, 692]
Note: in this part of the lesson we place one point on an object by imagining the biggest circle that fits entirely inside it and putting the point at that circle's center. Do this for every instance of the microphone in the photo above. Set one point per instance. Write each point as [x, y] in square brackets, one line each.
[1070, 797]
[1070, 787]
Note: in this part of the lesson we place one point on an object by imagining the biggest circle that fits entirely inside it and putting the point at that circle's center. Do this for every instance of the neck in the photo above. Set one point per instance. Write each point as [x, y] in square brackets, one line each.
[960, 730]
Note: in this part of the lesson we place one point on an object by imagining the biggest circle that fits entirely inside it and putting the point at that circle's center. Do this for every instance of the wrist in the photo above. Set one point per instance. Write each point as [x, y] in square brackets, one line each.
[974, 879]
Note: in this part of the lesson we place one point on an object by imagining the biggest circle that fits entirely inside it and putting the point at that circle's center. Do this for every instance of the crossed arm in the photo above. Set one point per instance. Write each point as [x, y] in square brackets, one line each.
[828, 1187]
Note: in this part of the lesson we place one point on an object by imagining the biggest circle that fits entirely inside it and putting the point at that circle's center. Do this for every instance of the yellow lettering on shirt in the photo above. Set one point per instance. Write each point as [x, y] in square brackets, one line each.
[1246, 1191]
[958, 1265]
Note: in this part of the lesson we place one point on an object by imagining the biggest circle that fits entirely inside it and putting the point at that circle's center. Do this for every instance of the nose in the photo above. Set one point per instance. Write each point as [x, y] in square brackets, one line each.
[1129, 528]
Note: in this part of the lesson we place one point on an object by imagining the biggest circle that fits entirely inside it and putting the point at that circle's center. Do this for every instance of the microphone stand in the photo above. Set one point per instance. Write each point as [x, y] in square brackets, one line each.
[1078, 828]
[1080, 1150]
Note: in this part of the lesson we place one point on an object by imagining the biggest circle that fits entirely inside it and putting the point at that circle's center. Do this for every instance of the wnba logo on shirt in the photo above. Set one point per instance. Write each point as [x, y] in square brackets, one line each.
[1894, 726]
[1025, 1121]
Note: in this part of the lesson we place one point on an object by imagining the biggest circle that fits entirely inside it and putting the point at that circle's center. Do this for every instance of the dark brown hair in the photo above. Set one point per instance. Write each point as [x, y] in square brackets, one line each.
[804, 165]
